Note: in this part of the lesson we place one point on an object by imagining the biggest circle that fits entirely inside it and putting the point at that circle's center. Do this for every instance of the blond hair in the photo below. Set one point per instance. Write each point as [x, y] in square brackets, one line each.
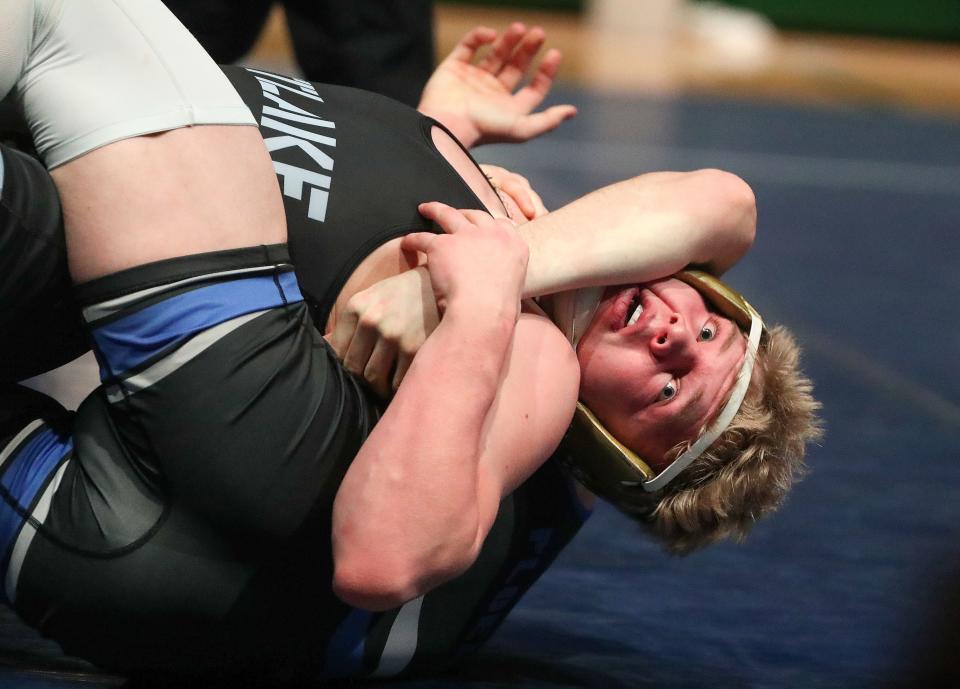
[747, 471]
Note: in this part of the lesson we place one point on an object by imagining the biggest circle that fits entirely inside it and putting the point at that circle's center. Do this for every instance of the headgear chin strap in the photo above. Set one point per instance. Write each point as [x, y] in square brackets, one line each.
[572, 311]
[613, 471]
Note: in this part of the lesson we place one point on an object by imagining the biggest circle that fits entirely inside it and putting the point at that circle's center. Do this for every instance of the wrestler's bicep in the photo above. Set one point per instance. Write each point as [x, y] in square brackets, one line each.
[532, 410]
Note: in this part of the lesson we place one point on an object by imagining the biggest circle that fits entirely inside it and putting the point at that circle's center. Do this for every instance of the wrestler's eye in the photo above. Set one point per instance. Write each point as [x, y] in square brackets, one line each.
[707, 332]
[668, 392]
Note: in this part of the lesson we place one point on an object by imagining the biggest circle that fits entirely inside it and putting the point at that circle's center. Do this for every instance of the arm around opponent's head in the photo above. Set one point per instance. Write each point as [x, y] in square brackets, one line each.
[642, 229]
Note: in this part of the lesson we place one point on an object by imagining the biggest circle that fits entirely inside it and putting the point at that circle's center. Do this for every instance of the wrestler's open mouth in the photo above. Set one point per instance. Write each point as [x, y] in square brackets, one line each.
[634, 310]
[627, 308]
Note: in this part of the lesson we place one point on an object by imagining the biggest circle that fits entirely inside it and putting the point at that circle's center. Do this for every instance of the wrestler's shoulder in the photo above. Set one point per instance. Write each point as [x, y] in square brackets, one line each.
[535, 328]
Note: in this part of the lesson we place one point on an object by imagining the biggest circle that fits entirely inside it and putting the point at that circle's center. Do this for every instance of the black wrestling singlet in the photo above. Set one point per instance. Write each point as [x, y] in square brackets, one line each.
[339, 204]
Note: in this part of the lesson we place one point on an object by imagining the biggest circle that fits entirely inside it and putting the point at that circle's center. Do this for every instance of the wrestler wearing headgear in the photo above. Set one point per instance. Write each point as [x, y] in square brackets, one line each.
[193, 496]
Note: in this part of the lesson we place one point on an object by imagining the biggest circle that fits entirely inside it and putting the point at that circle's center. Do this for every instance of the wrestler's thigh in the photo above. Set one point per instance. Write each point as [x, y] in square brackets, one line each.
[106, 563]
[217, 377]
[158, 605]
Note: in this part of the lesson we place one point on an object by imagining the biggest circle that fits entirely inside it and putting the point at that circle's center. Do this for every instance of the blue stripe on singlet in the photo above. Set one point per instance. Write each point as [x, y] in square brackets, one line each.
[344, 657]
[127, 342]
[25, 474]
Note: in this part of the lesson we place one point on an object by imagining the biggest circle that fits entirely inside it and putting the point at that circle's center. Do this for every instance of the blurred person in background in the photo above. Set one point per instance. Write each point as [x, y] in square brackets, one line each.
[385, 46]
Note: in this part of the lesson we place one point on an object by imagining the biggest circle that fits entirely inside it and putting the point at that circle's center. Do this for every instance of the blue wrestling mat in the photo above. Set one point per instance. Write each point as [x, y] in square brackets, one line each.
[856, 582]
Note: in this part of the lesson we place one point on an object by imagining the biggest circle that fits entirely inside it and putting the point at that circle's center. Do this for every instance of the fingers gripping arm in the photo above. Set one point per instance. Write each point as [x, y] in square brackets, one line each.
[409, 513]
[519, 198]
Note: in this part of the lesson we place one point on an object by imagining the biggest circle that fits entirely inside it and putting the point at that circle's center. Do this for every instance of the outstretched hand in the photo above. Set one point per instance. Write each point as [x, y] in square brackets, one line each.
[481, 103]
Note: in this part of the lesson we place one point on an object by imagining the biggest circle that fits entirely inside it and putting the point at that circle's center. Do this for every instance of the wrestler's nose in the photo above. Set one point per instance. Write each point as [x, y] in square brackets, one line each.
[672, 341]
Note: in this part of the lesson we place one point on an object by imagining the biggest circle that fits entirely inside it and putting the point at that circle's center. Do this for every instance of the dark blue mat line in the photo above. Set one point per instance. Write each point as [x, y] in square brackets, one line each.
[49, 679]
[902, 387]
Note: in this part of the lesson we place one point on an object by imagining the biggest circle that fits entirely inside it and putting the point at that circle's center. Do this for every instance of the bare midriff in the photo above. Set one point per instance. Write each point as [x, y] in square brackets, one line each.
[180, 192]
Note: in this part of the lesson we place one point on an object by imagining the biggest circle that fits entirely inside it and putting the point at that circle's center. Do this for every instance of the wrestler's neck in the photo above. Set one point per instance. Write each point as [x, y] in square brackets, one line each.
[185, 191]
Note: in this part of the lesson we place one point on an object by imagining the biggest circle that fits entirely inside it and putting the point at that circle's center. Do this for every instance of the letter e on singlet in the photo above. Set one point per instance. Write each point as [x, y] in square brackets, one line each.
[295, 177]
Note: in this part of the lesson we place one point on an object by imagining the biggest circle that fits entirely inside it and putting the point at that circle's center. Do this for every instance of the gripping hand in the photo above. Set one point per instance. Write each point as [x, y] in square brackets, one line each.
[477, 267]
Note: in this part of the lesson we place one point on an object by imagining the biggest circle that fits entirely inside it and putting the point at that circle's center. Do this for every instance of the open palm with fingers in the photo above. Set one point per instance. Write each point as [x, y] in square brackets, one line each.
[480, 99]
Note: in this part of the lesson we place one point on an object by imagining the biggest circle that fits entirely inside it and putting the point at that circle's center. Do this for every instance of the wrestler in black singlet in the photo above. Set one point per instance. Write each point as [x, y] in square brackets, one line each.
[186, 526]
[353, 166]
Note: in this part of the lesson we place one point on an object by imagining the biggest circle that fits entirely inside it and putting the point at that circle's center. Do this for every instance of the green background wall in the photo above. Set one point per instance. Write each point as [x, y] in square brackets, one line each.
[932, 19]
[928, 19]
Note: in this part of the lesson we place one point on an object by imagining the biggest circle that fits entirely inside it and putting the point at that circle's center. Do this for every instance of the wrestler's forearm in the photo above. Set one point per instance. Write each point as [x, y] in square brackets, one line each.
[641, 229]
[406, 516]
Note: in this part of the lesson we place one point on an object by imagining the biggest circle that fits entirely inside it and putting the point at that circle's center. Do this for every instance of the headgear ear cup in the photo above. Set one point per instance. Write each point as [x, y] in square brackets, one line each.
[599, 461]
[721, 296]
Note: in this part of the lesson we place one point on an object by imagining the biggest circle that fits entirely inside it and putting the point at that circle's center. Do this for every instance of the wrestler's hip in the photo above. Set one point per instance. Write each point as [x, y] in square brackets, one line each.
[216, 377]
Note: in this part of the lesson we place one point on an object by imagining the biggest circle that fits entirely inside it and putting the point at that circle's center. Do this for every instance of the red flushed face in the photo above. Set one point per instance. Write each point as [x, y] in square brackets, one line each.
[656, 364]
